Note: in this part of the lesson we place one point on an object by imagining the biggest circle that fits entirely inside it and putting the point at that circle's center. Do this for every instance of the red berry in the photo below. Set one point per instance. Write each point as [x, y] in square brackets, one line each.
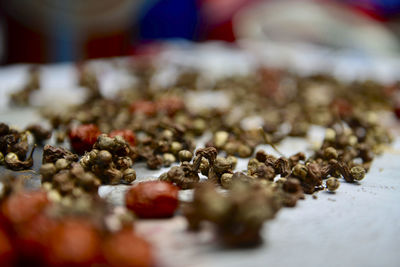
[127, 134]
[23, 206]
[83, 137]
[143, 106]
[74, 242]
[153, 199]
[126, 249]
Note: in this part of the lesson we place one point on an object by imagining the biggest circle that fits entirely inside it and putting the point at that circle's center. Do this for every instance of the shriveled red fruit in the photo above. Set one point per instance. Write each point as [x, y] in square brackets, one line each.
[33, 237]
[83, 137]
[170, 105]
[23, 206]
[127, 134]
[6, 250]
[153, 199]
[74, 242]
[125, 249]
[143, 106]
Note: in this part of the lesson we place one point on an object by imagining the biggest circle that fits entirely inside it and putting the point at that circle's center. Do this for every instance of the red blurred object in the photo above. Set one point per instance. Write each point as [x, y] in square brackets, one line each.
[83, 137]
[6, 250]
[33, 238]
[21, 207]
[127, 134]
[126, 249]
[74, 242]
[143, 106]
[170, 105]
[153, 199]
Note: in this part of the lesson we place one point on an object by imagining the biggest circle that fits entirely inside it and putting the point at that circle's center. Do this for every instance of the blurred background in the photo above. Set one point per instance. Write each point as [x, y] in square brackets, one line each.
[44, 31]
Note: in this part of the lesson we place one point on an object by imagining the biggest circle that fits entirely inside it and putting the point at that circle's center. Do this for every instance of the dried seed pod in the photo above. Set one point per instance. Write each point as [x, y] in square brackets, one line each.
[154, 162]
[176, 147]
[51, 154]
[265, 172]
[129, 175]
[185, 155]
[332, 184]
[282, 166]
[358, 173]
[233, 160]
[244, 151]
[12, 162]
[231, 148]
[330, 153]
[300, 171]
[220, 138]
[168, 159]
[226, 180]
[104, 158]
[62, 164]
[222, 165]
[47, 171]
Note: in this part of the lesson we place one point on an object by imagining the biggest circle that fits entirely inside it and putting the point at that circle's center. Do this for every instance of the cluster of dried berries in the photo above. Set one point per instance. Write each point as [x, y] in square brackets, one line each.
[64, 176]
[35, 231]
[238, 215]
[110, 160]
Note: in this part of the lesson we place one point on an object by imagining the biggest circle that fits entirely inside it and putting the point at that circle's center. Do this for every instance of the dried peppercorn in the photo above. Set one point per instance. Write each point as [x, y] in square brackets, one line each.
[40, 134]
[170, 105]
[127, 134]
[74, 242]
[124, 248]
[152, 199]
[332, 184]
[83, 137]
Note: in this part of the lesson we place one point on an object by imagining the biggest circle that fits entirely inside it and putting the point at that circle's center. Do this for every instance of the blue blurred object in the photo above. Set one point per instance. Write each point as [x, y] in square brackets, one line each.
[165, 19]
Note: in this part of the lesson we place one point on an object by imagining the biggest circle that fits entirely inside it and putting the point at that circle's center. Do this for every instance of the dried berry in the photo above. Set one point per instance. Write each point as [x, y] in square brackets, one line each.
[332, 184]
[83, 137]
[153, 199]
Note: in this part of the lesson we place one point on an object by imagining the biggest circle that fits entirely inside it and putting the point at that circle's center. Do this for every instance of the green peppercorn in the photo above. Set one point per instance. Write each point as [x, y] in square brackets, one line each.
[233, 160]
[300, 170]
[332, 184]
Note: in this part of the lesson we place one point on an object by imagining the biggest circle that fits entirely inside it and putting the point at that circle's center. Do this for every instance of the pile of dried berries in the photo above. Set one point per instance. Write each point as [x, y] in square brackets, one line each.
[159, 126]
[80, 232]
